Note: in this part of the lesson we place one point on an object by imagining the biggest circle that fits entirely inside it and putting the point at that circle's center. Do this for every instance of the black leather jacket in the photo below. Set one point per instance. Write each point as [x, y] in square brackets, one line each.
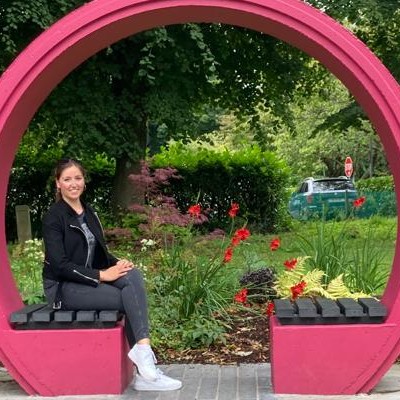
[66, 248]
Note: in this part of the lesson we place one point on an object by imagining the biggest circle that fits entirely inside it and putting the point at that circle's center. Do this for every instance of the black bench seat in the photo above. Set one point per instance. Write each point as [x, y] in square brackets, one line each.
[43, 316]
[307, 311]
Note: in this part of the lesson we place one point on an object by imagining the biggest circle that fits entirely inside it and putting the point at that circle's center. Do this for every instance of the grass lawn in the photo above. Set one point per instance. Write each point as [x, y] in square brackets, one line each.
[380, 231]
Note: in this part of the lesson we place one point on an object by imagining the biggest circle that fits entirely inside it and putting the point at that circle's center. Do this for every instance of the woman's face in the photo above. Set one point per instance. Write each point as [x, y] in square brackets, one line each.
[71, 183]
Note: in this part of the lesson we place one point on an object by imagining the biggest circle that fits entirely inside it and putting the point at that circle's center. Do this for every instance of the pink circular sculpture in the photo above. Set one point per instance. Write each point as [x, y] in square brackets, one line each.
[345, 359]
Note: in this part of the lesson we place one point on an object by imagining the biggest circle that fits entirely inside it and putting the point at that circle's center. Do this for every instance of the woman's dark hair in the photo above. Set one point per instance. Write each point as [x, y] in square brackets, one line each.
[63, 164]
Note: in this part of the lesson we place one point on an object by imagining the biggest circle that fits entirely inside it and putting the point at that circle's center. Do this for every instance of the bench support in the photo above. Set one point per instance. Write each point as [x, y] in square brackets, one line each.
[69, 362]
[329, 359]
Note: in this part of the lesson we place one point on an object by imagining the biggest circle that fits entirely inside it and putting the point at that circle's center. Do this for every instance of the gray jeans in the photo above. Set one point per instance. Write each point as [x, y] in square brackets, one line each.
[126, 294]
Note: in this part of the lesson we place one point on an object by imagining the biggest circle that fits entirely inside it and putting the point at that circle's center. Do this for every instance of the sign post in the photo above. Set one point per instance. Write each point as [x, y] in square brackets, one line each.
[348, 170]
[348, 167]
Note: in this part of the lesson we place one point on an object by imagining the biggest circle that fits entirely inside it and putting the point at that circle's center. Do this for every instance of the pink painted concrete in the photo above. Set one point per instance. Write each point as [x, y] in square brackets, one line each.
[70, 362]
[327, 359]
[37, 70]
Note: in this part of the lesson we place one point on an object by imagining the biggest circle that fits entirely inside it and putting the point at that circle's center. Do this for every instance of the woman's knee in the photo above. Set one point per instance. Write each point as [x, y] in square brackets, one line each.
[135, 277]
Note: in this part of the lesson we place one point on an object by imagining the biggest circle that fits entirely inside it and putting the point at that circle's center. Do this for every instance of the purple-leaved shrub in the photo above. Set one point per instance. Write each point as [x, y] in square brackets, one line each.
[159, 210]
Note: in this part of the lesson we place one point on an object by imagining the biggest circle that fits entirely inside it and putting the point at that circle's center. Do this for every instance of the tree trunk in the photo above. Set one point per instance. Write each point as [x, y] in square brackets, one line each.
[371, 158]
[124, 192]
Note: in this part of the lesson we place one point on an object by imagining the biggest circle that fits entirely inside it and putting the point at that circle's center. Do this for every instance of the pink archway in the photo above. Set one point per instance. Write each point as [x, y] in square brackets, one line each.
[69, 42]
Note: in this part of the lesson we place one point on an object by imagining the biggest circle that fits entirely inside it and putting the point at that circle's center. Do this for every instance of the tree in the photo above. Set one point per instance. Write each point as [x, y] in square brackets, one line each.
[376, 23]
[161, 77]
[311, 151]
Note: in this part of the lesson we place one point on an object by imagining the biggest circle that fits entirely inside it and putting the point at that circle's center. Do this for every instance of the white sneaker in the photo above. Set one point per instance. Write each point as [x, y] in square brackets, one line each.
[161, 384]
[143, 357]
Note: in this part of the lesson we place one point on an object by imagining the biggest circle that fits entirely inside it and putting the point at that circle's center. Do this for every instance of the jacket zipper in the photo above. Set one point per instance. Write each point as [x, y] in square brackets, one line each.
[87, 242]
[98, 220]
[87, 277]
[103, 245]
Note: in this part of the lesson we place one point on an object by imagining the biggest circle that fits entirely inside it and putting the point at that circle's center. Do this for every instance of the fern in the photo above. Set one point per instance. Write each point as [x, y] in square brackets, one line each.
[314, 283]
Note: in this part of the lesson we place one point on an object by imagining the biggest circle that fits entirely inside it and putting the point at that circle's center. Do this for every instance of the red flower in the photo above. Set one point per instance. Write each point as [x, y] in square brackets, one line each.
[228, 254]
[275, 244]
[242, 233]
[270, 308]
[297, 290]
[235, 241]
[241, 296]
[290, 264]
[233, 210]
[195, 210]
[359, 202]
[239, 235]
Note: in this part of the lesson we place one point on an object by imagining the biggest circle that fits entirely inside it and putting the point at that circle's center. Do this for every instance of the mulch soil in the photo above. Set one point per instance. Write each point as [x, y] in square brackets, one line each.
[247, 341]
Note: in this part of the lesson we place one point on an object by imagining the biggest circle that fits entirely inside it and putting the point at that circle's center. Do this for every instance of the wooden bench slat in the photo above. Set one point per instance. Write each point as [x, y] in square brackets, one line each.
[284, 308]
[45, 314]
[86, 316]
[22, 316]
[350, 308]
[306, 308]
[109, 316]
[323, 311]
[373, 307]
[64, 316]
[327, 307]
[42, 316]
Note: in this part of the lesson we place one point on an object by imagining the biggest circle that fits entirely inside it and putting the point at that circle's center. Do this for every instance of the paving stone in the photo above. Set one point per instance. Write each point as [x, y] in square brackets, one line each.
[216, 382]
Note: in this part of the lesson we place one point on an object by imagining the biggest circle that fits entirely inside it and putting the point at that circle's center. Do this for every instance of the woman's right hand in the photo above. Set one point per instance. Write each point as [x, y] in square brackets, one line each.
[113, 273]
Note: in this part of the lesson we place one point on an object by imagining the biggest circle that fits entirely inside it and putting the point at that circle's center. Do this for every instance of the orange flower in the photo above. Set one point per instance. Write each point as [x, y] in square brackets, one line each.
[270, 308]
[290, 264]
[297, 290]
[275, 244]
[359, 202]
[233, 210]
[195, 210]
[241, 296]
[228, 254]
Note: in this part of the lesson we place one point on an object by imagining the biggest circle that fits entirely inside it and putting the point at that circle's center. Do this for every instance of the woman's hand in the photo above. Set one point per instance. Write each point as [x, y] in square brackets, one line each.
[125, 263]
[120, 269]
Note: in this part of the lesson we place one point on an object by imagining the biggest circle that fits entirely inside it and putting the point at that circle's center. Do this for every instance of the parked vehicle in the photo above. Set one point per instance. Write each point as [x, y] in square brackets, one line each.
[324, 197]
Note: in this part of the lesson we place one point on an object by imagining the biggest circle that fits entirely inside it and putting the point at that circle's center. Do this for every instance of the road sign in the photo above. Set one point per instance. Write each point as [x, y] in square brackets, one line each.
[348, 167]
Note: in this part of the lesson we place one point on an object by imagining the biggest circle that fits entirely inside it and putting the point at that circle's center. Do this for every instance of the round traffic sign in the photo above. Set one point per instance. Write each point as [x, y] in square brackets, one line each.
[348, 167]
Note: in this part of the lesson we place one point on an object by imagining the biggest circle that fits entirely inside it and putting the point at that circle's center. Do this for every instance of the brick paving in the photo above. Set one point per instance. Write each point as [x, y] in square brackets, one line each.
[217, 382]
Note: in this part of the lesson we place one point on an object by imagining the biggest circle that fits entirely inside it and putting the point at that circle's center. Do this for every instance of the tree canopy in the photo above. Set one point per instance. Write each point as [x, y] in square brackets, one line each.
[160, 83]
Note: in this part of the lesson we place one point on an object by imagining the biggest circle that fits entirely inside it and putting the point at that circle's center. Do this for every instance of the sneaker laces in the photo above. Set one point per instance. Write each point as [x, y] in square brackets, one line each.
[159, 372]
[149, 357]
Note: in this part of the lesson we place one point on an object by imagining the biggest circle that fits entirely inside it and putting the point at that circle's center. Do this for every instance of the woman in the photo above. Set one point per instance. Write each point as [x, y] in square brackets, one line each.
[80, 274]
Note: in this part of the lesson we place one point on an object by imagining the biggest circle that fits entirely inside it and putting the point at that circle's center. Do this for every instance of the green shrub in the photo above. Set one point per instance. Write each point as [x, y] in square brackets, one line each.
[376, 184]
[254, 178]
[32, 183]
